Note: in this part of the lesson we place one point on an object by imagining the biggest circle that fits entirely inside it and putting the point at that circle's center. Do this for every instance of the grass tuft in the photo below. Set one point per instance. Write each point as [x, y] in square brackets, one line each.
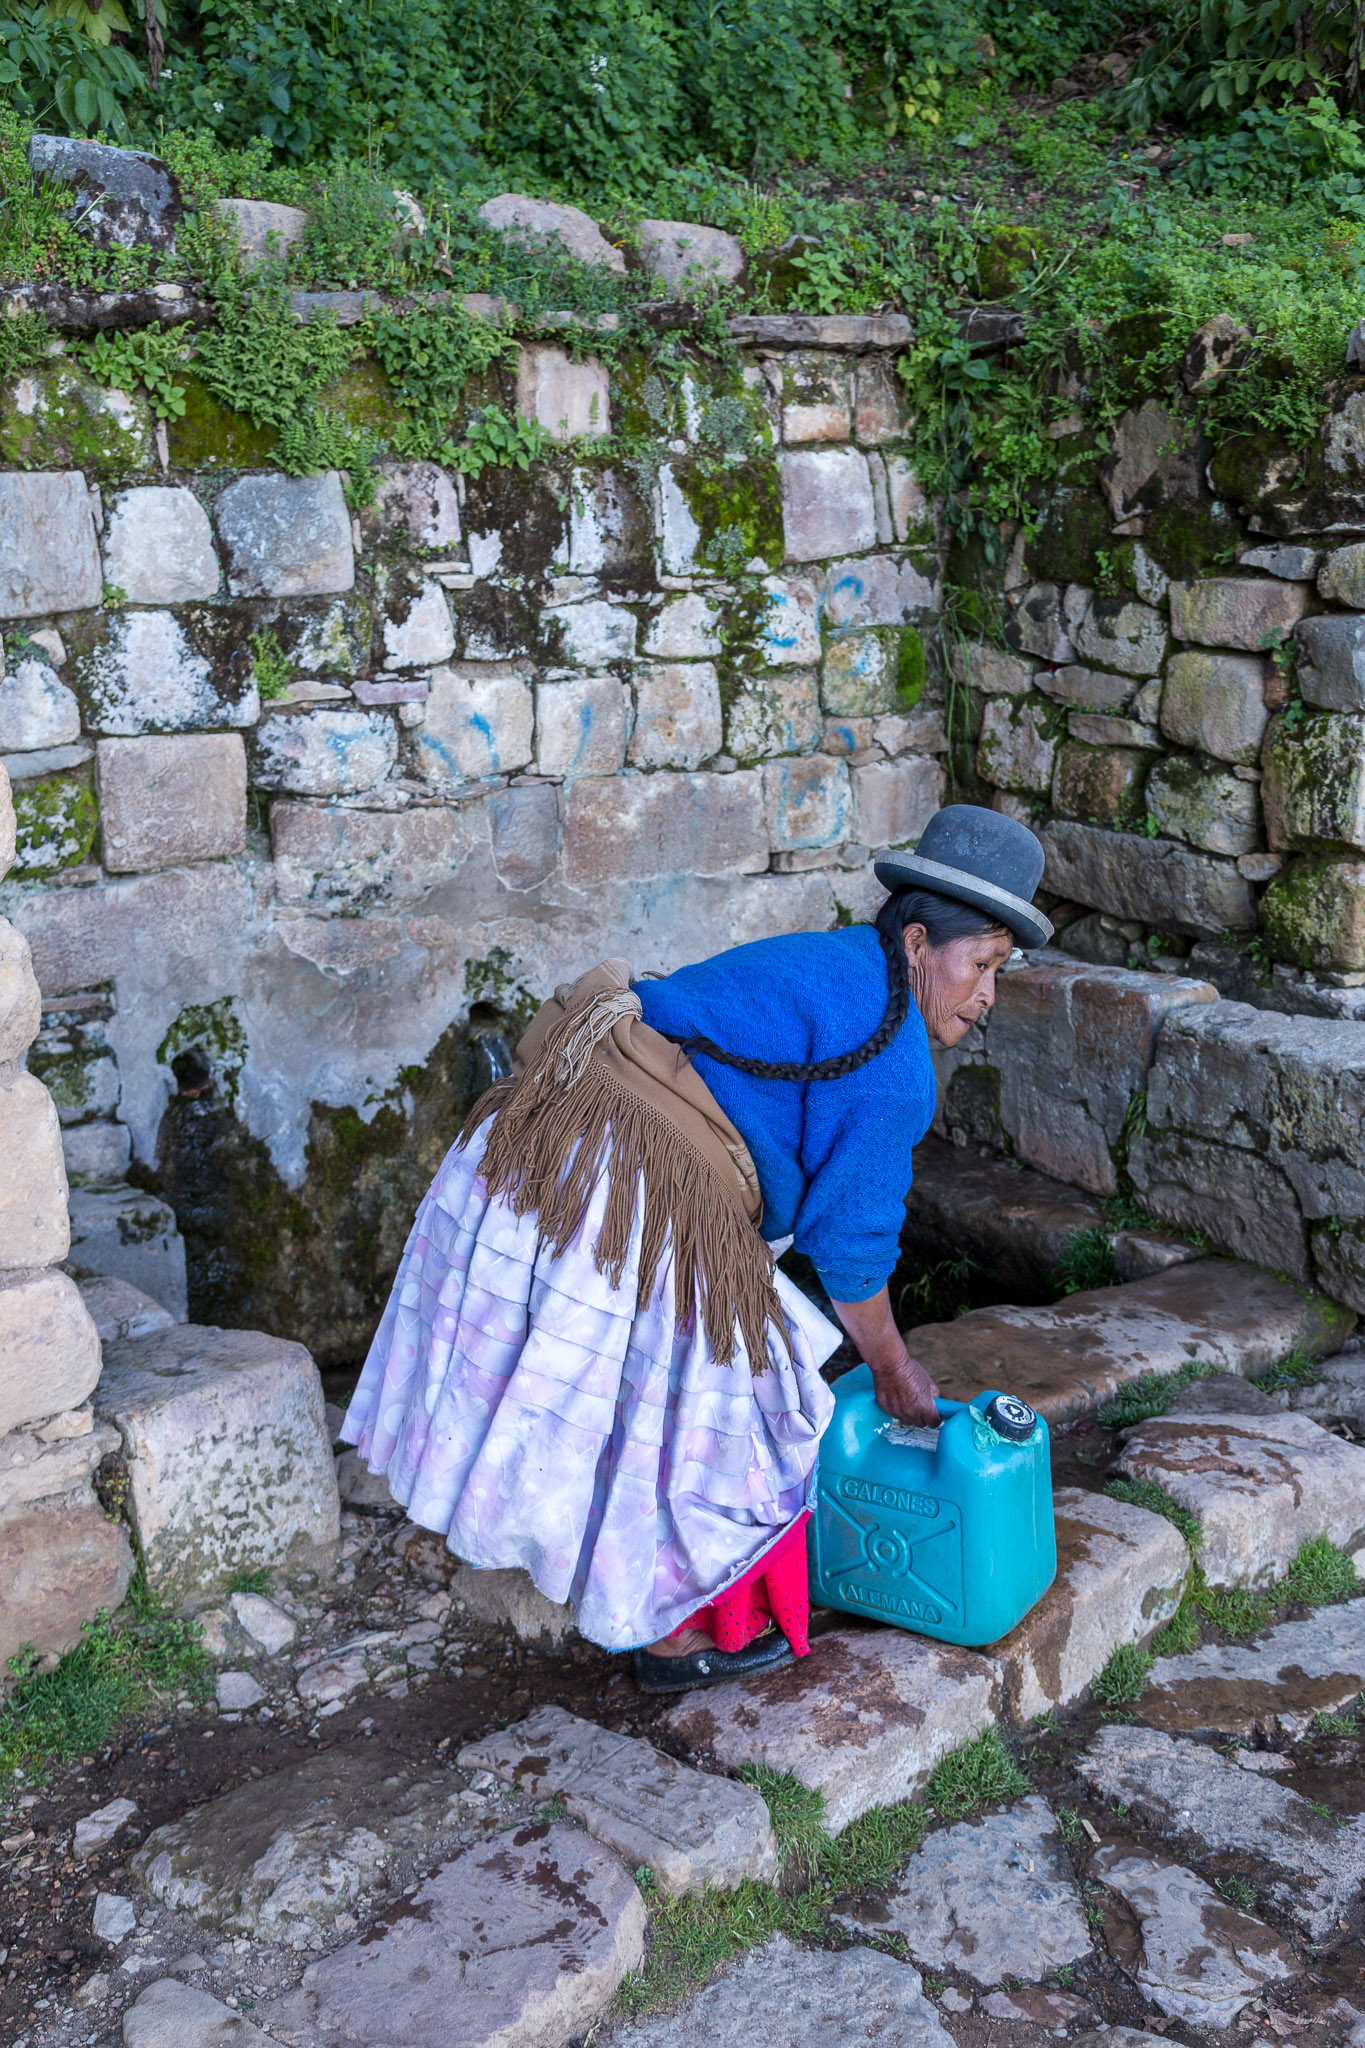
[1235, 1610]
[872, 1848]
[798, 1818]
[1145, 1493]
[1334, 1724]
[1124, 1678]
[1152, 1393]
[975, 1775]
[257, 1581]
[1182, 1632]
[1296, 1369]
[1087, 1261]
[1320, 1573]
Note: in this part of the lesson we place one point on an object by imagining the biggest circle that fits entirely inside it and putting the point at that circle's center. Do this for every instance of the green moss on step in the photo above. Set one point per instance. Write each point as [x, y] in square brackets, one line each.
[210, 436]
[738, 509]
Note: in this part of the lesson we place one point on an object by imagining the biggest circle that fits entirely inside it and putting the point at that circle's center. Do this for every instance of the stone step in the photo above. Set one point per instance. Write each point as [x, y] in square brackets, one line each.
[1189, 1793]
[1261, 1485]
[1192, 1953]
[1273, 1686]
[132, 1236]
[993, 1897]
[228, 1457]
[1339, 1395]
[1016, 1223]
[1068, 1359]
[120, 1309]
[517, 1943]
[173, 2015]
[690, 1829]
[863, 1720]
[1120, 1574]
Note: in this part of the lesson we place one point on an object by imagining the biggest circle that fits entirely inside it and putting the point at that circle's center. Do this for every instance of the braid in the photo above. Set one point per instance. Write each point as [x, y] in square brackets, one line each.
[942, 920]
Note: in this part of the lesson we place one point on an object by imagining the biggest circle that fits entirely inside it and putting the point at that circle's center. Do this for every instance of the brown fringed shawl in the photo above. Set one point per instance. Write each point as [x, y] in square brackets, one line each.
[594, 1084]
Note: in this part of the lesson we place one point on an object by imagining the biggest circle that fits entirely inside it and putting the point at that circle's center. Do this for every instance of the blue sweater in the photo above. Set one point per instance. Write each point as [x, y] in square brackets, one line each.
[833, 1157]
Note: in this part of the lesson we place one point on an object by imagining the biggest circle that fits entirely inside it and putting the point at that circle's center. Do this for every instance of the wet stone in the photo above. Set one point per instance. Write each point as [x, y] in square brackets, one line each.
[1196, 1956]
[518, 1943]
[993, 1897]
[863, 1720]
[1190, 1794]
[689, 1829]
[1271, 1687]
[789, 1997]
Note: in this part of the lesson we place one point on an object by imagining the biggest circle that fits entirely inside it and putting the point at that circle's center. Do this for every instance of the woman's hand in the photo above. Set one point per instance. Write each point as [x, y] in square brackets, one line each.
[903, 1387]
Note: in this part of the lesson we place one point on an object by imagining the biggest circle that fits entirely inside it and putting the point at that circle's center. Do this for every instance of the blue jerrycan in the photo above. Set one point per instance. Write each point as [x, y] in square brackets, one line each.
[945, 1531]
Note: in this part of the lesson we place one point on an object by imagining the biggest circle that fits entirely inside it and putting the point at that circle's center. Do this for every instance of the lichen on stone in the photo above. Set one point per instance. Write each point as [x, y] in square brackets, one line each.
[56, 819]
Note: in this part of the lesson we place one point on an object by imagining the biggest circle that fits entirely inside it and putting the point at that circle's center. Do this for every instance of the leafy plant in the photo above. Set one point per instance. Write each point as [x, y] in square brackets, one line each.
[52, 66]
[429, 359]
[153, 357]
[491, 439]
[274, 674]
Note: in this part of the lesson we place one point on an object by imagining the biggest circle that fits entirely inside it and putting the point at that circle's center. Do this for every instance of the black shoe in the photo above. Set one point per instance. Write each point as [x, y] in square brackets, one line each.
[711, 1667]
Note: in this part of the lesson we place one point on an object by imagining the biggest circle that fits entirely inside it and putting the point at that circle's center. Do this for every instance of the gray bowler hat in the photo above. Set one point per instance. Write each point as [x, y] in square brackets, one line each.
[978, 857]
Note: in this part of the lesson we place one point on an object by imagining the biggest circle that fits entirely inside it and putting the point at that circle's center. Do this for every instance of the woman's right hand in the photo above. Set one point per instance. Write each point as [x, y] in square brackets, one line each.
[905, 1391]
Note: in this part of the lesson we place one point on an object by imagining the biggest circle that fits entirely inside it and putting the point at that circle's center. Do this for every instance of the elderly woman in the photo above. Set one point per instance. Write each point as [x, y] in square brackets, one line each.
[590, 1366]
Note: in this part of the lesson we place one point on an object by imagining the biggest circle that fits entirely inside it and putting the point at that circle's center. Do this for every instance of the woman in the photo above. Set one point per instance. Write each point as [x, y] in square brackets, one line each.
[590, 1366]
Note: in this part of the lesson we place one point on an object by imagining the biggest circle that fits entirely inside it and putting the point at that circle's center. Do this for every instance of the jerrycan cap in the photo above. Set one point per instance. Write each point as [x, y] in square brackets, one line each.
[1011, 1418]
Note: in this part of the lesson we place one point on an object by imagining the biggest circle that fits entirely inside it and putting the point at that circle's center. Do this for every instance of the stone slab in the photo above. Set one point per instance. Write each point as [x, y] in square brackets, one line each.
[1013, 1221]
[1190, 1794]
[789, 1997]
[170, 798]
[519, 1943]
[33, 1220]
[49, 560]
[690, 1829]
[130, 1236]
[1261, 1485]
[286, 536]
[1271, 1687]
[33, 1468]
[1120, 1574]
[229, 1461]
[49, 1347]
[170, 2014]
[863, 1720]
[59, 1565]
[280, 1857]
[1155, 881]
[118, 1309]
[20, 1002]
[1069, 1358]
[1196, 1956]
[158, 546]
[993, 1897]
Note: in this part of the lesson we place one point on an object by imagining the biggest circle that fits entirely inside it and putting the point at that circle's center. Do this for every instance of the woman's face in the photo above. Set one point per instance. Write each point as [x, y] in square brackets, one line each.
[954, 985]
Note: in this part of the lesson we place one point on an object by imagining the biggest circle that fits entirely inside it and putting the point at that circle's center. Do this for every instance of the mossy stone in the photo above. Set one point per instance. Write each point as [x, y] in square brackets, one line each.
[911, 668]
[1247, 467]
[212, 436]
[1314, 915]
[738, 510]
[1191, 540]
[1074, 530]
[55, 823]
[1006, 256]
[58, 417]
[364, 398]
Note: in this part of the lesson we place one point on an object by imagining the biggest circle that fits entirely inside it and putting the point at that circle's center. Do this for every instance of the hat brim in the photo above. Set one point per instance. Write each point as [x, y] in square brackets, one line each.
[906, 870]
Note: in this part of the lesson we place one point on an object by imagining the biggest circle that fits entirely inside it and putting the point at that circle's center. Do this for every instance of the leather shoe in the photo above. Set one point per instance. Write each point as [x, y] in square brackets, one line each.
[711, 1667]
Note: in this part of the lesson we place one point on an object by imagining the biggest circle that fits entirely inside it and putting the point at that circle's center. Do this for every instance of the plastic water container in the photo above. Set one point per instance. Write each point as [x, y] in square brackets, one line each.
[945, 1531]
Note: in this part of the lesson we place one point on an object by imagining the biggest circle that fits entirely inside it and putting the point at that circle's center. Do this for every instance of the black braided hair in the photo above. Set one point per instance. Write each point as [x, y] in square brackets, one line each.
[943, 921]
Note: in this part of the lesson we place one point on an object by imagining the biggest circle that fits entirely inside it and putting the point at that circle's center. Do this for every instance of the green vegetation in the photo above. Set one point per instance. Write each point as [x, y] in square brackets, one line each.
[1152, 1393]
[1124, 1678]
[974, 1776]
[1320, 1573]
[1087, 1261]
[1297, 1369]
[270, 665]
[1145, 1493]
[123, 1665]
[257, 1581]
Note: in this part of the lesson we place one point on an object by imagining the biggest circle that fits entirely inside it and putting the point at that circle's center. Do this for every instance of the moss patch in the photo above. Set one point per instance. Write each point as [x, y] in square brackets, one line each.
[55, 824]
[738, 509]
[911, 668]
[57, 417]
[211, 436]
[1313, 914]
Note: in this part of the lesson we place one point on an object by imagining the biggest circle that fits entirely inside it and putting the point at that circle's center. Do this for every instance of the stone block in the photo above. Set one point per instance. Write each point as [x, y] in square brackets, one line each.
[132, 925]
[858, 674]
[145, 676]
[893, 801]
[169, 2014]
[686, 260]
[360, 860]
[49, 1348]
[158, 546]
[827, 506]
[1100, 785]
[545, 220]
[21, 1009]
[570, 400]
[424, 635]
[678, 533]
[228, 1456]
[807, 802]
[1215, 703]
[789, 632]
[994, 671]
[1121, 1572]
[1314, 915]
[164, 800]
[1280, 558]
[637, 827]
[326, 753]
[60, 1563]
[32, 1469]
[286, 536]
[595, 634]
[96, 1154]
[794, 1997]
[1155, 882]
[265, 230]
[1261, 1486]
[524, 829]
[49, 558]
[1153, 459]
[1092, 689]
[1044, 620]
[876, 590]
[774, 714]
[1119, 633]
[1341, 580]
[879, 412]
[687, 628]
[480, 721]
[863, 1720]
[1314, 788]
[692, 1831]
[1010, 1220]
[1205, 806]
[912, 514]
[418, 500]
[131, 1236]
[124, 198]
[1197, 1958]
[1271, 1688]
[582, 727]
[1070, 1358]
[1017, 749]
[1236, 611]
[817, 396]
[6, 823]
[121, 1310]
[677, 715]
[36, 710]
[33, 1220]
[1331, 663]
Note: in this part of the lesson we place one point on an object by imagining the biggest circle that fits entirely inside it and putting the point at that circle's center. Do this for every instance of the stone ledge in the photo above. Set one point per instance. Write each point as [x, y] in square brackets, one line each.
[853, 331]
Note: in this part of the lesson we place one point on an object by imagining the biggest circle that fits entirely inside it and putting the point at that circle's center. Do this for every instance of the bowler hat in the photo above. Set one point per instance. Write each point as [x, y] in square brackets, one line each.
[979, 857]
